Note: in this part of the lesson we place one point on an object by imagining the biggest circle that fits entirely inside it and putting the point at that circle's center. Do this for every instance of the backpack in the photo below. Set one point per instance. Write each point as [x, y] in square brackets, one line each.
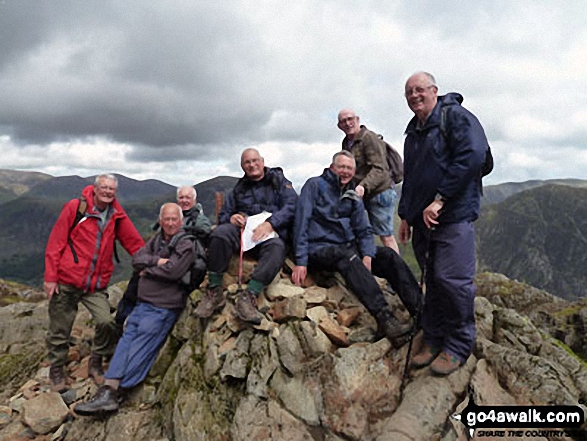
[196, 273]
[487, 166]
[82, 207]
[394, 162]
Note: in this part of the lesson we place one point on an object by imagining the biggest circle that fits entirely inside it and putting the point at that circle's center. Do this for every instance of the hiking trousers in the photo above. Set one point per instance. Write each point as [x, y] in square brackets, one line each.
[448, 319]
[63, 308]
[226, 240]
[146, 330]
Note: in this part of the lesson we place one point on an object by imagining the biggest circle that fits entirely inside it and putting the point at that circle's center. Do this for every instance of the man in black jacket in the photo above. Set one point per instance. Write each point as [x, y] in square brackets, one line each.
[261, 189]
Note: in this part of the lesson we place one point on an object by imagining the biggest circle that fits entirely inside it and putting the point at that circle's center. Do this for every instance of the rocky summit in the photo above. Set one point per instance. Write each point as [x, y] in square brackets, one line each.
[312, 370]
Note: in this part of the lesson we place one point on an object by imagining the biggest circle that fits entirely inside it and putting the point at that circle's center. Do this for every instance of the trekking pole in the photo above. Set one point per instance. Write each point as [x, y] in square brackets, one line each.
[418, 314]
[240, 261]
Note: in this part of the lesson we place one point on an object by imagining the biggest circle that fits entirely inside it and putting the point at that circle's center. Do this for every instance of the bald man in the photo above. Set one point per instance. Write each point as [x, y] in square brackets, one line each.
[373, 178]
[260, 189]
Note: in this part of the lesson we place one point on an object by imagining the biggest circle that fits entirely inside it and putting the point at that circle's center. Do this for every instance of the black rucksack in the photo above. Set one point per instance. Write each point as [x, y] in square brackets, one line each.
[196, 273]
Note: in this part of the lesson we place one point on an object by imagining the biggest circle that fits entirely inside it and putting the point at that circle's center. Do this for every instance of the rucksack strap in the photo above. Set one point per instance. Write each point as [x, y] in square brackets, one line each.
[82, 207]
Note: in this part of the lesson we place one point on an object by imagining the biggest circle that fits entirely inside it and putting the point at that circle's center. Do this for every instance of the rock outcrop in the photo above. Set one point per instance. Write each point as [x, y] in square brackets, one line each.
[312, 370]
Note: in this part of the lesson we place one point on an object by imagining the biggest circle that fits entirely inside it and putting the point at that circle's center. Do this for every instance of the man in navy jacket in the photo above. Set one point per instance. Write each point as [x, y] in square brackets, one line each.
[331, 232]
[443, 154]
[261, 189]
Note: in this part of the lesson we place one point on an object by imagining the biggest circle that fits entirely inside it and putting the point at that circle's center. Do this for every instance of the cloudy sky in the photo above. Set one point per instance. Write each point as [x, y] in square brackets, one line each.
[174, 90]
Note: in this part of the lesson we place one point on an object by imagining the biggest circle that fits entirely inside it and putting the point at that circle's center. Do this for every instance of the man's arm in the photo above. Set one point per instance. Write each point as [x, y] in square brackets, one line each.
[57, 243]
[375, 158]
[177, 264]
[362, 230]
[468, 144]
[303, 214]
[227, 209]
[127, 234]
[288, 197]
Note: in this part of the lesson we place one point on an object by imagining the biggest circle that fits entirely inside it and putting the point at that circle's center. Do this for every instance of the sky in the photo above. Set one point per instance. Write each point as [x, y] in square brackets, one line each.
[175, 90]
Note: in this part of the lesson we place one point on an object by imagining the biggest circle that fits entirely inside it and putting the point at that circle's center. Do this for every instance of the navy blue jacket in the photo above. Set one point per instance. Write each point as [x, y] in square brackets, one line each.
[449, 164]
[326, 215]
[274, 194]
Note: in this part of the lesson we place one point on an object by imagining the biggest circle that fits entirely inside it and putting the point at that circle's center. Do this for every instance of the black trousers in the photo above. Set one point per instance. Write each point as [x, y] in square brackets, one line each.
[226, 240]
[387, 264]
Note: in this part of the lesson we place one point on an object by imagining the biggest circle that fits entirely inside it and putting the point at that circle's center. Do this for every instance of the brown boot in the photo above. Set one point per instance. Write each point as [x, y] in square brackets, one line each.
[57, 378]
[213, 300]
[425, 356]
[95, 370]
[445, 364]
[246, 307]
[388, 326]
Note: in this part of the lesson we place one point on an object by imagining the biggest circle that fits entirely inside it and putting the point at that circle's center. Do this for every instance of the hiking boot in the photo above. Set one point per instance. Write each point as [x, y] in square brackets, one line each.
[445, 364]
[425, 356]
[95, 370]
[57, 378]
[390, 327]
[246, 307]
[213, 300]
[105, 400]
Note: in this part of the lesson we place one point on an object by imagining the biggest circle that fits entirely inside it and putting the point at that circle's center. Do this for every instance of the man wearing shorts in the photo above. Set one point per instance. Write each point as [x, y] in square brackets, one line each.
[372, 177]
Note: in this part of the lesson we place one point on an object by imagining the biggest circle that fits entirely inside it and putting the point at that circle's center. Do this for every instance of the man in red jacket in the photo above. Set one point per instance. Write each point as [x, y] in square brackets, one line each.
[78, 267]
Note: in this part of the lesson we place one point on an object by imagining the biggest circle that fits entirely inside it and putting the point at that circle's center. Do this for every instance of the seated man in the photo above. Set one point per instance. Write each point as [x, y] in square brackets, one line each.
[331, 232]
[161, 299]
[194, 220]
[261, 189]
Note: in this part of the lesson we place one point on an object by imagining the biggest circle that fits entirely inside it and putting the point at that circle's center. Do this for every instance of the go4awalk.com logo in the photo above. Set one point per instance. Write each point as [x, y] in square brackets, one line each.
[521, 421]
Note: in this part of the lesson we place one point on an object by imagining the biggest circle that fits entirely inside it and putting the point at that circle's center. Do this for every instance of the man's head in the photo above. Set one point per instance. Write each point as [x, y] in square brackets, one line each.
[343, 165]
[186, 197]
[421, 94]
[348, 122]
[253, 164]
[105, 186]
[170, 219]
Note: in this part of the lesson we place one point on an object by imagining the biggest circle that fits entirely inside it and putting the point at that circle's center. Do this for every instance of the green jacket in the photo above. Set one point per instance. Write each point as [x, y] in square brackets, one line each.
[372, 169]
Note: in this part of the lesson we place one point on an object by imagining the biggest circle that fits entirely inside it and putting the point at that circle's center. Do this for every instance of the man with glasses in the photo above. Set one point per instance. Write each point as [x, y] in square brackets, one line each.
[373, 178]
[444, 151]
[78, 266]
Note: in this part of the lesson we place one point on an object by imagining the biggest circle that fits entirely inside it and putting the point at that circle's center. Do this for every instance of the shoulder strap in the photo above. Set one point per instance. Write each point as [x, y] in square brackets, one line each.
[82, 207]
[175, 239]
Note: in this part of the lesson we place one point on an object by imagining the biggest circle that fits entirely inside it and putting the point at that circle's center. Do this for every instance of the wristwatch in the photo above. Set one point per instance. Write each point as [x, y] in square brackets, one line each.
[439, 197]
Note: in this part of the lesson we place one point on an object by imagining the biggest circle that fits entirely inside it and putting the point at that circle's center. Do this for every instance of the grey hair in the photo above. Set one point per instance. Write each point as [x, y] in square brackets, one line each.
[195, 193]
[428, 75]
[173, 204]
[343, 153]
[107, 177]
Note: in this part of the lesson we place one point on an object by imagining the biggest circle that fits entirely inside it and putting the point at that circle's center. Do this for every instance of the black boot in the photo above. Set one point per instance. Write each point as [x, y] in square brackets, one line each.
[105, 400]
[388, 326]
[57, 378]
[95, 369]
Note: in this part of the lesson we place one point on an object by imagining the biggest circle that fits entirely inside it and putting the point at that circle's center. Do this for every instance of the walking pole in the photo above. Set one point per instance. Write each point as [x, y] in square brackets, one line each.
[418, 314]
[240, 261]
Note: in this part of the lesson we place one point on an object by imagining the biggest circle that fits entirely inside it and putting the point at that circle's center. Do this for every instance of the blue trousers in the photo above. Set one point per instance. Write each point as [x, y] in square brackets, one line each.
[146, 330]
[448, 319]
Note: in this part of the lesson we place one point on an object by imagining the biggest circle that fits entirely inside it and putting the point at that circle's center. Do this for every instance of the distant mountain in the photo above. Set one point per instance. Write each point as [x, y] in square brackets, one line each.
[26, 220]
[14, 183]
[538, 236]
[493, 194]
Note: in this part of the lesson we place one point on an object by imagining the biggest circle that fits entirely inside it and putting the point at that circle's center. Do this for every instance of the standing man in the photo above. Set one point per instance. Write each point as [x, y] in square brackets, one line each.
[443, 153]
[161, 299]
[331, 232]
[78, 266]
[261, 189]
[373, 177]
[194, 220]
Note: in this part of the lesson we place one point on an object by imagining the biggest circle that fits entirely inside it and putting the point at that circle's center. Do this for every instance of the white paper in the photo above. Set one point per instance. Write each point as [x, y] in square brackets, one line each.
[252, 223]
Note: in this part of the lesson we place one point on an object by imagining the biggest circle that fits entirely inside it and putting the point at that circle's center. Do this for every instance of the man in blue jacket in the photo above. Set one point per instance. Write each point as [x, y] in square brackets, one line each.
[443, 154]
[261, 189]
[331, 232]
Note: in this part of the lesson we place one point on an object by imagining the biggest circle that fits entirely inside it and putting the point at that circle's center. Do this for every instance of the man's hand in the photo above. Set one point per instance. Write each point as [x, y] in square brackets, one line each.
[367, 262]
[238, 220]
[299, 275]
[360, 190]
[404, 232]
[162, 261]
[431, 213]
[50, 288]
[262, 231]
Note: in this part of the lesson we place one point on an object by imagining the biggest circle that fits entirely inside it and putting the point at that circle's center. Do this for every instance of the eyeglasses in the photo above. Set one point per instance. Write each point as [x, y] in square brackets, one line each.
[417, 90]
[107, 187]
